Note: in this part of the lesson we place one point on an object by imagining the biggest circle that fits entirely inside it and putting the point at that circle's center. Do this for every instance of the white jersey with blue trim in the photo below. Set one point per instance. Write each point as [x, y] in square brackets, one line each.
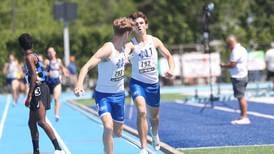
[54, 69]
[111, 73]
[144, 60]
[13, 72]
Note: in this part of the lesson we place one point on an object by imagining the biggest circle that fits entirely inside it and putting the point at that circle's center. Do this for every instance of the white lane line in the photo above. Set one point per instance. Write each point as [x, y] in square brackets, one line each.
[4, 117]
[256, 114]
[59, 139]
[263, 100]
[125, 135]
[89, 115]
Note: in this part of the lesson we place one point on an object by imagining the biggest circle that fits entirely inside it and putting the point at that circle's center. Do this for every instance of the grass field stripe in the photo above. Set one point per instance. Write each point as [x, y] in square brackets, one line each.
[60, 140]
[256, 114]
[4, 117]
[219, 147]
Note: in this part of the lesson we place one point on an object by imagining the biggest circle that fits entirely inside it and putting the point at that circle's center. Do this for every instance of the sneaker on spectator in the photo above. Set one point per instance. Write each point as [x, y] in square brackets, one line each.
[242, 121]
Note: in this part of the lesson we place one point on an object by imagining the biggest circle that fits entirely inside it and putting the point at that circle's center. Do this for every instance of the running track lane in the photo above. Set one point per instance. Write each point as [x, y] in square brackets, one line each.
[79, 133]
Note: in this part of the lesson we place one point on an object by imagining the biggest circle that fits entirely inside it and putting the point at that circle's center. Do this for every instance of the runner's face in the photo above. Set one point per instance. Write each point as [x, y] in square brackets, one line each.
[230, 45]
[11, 58]
[140, 25]
[51, 53]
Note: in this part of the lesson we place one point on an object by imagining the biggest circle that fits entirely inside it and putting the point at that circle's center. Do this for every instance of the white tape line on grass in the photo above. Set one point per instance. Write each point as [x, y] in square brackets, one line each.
[256, 114]
[59, 139]
[4, 117]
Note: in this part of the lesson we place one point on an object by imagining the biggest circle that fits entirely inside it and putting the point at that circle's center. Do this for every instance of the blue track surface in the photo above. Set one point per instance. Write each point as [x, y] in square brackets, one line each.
[181, 126]
[252, 106]
[184, 126]
[80, 133]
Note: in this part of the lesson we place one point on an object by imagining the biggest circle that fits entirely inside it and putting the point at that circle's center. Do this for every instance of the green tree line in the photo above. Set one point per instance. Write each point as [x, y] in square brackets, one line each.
[173, 21]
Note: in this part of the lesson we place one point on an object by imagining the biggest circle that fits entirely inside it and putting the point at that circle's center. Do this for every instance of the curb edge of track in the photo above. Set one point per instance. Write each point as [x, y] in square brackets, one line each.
[165, 148]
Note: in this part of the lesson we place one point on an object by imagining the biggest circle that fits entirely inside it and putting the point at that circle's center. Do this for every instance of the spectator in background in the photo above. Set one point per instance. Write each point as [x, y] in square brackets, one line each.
[12, 70]
[72, 69]
[269, 59]
[238, 71]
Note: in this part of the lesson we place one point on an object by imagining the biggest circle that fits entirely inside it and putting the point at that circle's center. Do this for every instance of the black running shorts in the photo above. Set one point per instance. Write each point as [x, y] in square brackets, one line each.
[40, 94]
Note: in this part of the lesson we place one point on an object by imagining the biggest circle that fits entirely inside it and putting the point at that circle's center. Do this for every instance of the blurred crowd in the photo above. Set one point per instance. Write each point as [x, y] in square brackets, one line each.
[15, 70]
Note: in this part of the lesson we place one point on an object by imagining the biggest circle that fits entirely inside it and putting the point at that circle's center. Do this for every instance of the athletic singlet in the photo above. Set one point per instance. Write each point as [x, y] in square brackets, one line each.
[111, 73]
[54, 69]
[144, 60]
[40, 71]
[13, 71]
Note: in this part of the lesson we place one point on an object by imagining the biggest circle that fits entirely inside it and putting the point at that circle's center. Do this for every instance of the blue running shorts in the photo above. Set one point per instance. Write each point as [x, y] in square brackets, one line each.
[150, 92]
[113, 103]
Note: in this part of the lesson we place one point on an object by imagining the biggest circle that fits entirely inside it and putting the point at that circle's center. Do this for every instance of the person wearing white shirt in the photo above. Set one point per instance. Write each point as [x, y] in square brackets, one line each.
[109, 92]
[269, 59]
[237, 66]
[142, 53]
